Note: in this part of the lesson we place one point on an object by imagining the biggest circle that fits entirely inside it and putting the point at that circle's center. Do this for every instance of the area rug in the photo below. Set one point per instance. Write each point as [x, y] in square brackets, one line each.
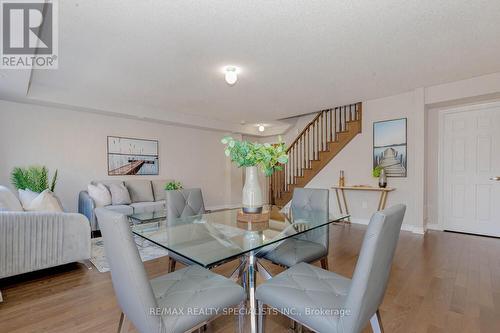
[147, 250]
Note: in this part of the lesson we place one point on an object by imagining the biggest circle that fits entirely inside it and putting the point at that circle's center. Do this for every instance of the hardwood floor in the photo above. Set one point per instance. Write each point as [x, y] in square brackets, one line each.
[442, 282]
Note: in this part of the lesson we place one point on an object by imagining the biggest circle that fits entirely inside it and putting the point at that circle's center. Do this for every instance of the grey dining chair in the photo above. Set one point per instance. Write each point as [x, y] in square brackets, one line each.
[311, 246]
[183, 203]
[328, 302]
[161, 304]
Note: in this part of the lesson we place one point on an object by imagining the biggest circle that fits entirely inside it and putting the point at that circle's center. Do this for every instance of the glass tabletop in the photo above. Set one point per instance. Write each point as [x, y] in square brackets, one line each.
[214, 238]
[148, 217]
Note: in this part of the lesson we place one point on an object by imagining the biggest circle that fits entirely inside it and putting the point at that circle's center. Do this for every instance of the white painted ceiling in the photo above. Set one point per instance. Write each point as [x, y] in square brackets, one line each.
[162, 59]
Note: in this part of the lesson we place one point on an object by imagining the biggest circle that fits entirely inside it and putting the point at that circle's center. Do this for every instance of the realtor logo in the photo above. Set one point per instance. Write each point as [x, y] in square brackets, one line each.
[29, 34]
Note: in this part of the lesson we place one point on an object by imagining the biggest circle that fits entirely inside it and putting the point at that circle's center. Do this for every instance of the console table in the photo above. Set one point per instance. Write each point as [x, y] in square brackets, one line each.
[382, 201]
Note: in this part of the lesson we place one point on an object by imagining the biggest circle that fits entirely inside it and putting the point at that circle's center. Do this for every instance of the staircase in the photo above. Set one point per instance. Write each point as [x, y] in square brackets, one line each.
[320, 141]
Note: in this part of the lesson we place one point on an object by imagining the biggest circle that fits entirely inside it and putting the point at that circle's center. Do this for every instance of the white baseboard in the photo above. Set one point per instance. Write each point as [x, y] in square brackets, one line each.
[405, 227]
[436, 227]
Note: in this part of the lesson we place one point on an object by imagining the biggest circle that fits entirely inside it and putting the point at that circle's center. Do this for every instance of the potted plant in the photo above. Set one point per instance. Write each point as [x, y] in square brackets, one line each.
[251, 155]
[173, 185]
[33, 178]
[379, 172]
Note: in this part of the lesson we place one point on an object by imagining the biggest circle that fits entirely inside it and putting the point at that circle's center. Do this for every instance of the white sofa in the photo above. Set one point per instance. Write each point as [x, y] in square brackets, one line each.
[146, 196]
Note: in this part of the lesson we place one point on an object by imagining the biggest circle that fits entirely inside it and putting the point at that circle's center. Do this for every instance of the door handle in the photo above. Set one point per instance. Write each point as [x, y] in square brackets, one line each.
[495, 178]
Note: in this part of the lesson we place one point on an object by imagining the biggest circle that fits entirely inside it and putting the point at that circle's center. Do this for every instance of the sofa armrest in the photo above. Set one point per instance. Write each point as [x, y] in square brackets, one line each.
[30, 241]
[86, 206]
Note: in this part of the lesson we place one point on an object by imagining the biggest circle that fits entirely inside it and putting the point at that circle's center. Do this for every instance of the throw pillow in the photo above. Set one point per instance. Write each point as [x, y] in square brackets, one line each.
[119, 194]
[26, 197]
[140, 190]
[8, 201]
[45, 202]
[100, 194]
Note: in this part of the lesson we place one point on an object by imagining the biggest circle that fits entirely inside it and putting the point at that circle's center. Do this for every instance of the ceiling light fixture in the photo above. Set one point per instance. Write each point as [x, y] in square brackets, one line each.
[231, 74]
[261, 128]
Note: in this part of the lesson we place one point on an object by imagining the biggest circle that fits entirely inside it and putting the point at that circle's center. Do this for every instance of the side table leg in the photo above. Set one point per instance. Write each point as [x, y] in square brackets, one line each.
[379, 207]
[345, 205]
[338, 201]
[384, 201]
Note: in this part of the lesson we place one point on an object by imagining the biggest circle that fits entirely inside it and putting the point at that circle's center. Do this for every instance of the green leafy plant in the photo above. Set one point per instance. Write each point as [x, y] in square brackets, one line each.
[268, 157]
[376, 171]
[173, 185]
[34, 178]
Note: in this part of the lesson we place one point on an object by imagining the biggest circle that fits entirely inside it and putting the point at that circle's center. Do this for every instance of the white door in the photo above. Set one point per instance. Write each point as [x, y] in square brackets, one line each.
[471, 162]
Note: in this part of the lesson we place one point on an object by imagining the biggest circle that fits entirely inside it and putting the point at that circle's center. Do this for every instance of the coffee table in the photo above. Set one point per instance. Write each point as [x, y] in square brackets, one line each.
[142, 218]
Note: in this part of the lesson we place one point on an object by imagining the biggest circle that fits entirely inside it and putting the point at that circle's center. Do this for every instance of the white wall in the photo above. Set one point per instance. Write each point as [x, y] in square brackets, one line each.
[356, 161]
[75, 143]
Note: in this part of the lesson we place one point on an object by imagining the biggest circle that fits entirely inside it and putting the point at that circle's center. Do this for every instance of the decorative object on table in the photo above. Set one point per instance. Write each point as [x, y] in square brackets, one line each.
[269, 157]
[128, 156]
[390, 147]
[34, 178]
[253, 222]
[173, 185]
[341, 178]
[382, 179]
[252, 193]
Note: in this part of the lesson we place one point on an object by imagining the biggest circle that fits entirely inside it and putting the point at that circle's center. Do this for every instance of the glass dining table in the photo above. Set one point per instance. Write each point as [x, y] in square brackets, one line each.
[215, 238]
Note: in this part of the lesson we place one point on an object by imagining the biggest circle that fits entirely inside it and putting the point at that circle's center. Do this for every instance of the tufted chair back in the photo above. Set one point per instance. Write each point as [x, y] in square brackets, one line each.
[130, 282]
[185, 202]
[314, 203]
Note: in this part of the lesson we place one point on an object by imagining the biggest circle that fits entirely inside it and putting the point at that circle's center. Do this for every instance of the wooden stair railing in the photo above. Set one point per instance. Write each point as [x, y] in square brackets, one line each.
[320, 141]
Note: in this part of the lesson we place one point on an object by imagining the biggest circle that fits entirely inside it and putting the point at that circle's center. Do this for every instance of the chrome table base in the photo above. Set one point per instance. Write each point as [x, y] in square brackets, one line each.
[247, 271]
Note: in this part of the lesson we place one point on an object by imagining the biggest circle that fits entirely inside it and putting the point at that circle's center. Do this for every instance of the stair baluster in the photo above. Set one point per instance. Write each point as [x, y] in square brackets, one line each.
[319, 142]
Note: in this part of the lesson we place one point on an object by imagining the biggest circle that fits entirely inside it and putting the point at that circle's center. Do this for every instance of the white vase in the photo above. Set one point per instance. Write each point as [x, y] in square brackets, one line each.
[252, 194]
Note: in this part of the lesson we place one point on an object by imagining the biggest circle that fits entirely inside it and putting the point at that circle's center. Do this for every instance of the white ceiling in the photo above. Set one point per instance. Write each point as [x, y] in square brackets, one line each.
[162, 59]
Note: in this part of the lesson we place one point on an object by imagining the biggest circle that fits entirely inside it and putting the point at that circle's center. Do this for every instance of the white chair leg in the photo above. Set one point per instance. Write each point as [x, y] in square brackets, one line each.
[260, 318]
[376, 323]
[1, 298]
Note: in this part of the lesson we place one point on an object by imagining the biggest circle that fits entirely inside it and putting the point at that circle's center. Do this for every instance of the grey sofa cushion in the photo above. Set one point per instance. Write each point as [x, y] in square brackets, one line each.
[140, 190]
[122, 209]
[159, 188]
[148, 207]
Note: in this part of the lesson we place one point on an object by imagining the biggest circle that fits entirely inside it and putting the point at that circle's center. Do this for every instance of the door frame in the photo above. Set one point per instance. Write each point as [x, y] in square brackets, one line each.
[442, 113]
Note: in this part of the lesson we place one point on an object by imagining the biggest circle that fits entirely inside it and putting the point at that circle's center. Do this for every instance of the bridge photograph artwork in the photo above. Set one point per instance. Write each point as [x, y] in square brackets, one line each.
[389, 147]
[129, 156]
